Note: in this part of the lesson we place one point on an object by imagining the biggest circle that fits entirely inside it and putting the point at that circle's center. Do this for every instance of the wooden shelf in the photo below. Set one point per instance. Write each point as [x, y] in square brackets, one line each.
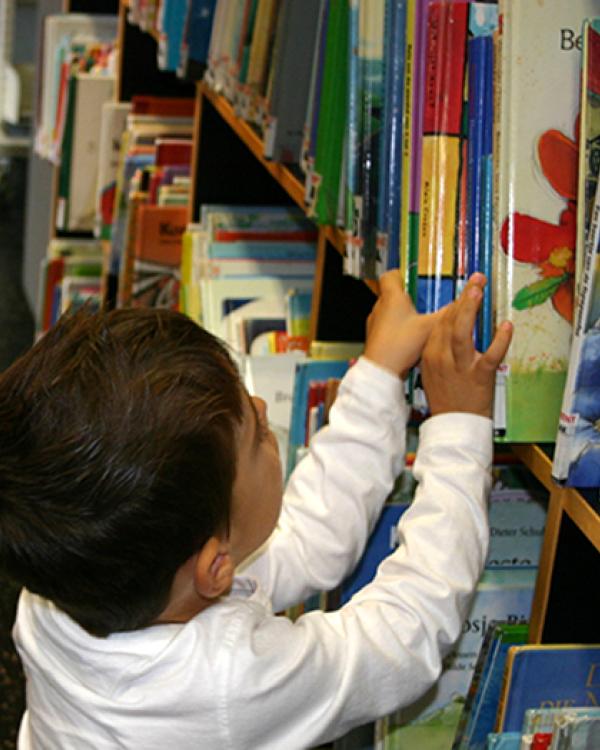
[568, 499]
[289, 182]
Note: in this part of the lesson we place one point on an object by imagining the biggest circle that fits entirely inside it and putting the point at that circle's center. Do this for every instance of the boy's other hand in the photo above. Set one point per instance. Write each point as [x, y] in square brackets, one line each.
[396, 333]
[457, 377]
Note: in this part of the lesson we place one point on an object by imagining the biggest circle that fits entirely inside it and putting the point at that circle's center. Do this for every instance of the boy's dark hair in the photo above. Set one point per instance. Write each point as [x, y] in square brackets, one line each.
[117, 461]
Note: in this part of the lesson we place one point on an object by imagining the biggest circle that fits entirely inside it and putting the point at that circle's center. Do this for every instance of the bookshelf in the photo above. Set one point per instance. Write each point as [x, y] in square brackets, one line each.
[226, 147]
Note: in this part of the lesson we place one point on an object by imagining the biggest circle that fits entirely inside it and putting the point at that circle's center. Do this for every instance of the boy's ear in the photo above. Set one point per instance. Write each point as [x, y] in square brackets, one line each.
[214, 570]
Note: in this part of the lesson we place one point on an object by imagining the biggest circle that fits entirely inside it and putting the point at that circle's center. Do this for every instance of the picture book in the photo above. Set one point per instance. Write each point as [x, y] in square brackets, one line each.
[535, 209]
[58, 31]
[297, 35]
[306, 372]
[577, 455]
[441, 167]
[309, 130]
[548, 675]
[381, 543]
[155, 281]
[478, 717]
[574, 730]
[112, 124]
[504, 741]
[77, 198]
[272, 378]
[325, 177]
[550, 719]
[432, 721]
[390, 154]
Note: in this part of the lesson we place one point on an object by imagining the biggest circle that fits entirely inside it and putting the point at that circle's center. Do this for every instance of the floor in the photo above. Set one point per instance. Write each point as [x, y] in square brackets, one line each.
[16, 335]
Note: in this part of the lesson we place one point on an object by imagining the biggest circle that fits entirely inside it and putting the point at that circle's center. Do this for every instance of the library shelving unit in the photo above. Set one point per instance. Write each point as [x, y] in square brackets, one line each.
[228, 166]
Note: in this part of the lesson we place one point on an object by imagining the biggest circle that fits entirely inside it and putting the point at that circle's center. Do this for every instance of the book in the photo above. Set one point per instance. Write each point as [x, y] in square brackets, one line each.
[577, 454]
[504, 741]
[155, 281]
[382, 541]
[576, 730]
[535, 201]
[547, 675]
[297, 35]
[390, 172]
[478, 715]
[306, 372]
[76, 206]
[112, 125]
[441, 165]
[325, 176]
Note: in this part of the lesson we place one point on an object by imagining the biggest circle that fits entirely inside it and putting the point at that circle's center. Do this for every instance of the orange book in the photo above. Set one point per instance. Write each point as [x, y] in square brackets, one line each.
[157, 259]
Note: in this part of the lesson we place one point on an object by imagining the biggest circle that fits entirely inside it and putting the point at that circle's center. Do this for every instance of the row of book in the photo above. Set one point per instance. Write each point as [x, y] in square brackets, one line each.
[545, 225]
[421, 139]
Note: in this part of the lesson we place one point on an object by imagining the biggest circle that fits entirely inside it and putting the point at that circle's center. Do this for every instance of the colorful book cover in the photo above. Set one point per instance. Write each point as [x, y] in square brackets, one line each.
[478, 718]
[305, 373]
[155, 281]
[441, 165]
[577, 455]
[548, 675]
[577, 731]
[536, 216]
[432, 721]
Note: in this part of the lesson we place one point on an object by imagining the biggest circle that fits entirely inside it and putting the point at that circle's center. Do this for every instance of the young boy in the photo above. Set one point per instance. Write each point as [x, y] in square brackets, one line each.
[141, 509]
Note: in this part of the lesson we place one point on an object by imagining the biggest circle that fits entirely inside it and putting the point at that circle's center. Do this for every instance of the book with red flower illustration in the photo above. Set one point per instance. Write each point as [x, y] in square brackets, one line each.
[535, 201]
[577, 453]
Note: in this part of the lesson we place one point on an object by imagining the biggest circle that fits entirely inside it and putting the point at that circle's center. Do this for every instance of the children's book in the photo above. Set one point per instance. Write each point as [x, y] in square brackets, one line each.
[441, 166]
[504, 741]
[381, 543]
[548, 675]
[535, 208]
[478, 717]
[325, 179]
[112, 125]
[157, 259]
[390, 172]
[297, 36]
[307, 372]
[577, 455]
[77, 198]
[576, 730]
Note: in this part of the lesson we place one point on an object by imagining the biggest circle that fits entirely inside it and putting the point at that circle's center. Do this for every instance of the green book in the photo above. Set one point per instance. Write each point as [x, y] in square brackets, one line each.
[332, 118]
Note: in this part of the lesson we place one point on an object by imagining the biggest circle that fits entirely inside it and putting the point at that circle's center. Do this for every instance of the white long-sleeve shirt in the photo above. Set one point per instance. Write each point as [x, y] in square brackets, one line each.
[237, 676]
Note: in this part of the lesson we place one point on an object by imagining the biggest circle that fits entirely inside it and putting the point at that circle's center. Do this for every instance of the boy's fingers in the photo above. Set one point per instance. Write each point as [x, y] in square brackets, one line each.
[391, 281]
[496, 351]
[464, 322]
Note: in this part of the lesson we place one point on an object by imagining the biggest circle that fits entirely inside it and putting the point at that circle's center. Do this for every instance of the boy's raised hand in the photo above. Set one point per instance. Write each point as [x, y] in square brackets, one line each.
[396, 333]
[457, 377]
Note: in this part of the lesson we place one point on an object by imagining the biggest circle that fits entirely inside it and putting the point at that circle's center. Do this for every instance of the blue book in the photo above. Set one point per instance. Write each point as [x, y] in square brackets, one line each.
[544, 675]
[257, 250]
[382, 542]
[504, 741]
[390, 174]
[306, 372]
[483, 19]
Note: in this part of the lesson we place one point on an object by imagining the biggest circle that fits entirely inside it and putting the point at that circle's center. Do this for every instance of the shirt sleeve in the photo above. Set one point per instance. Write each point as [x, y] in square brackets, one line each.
[336, 492]
[328, 672]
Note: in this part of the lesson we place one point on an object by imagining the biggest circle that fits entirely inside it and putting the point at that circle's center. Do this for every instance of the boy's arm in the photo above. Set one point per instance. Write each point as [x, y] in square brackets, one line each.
[335, 495]
[329, 672]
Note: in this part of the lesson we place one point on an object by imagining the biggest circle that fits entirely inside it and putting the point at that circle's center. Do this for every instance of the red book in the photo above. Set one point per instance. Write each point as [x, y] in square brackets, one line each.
[159, 105]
